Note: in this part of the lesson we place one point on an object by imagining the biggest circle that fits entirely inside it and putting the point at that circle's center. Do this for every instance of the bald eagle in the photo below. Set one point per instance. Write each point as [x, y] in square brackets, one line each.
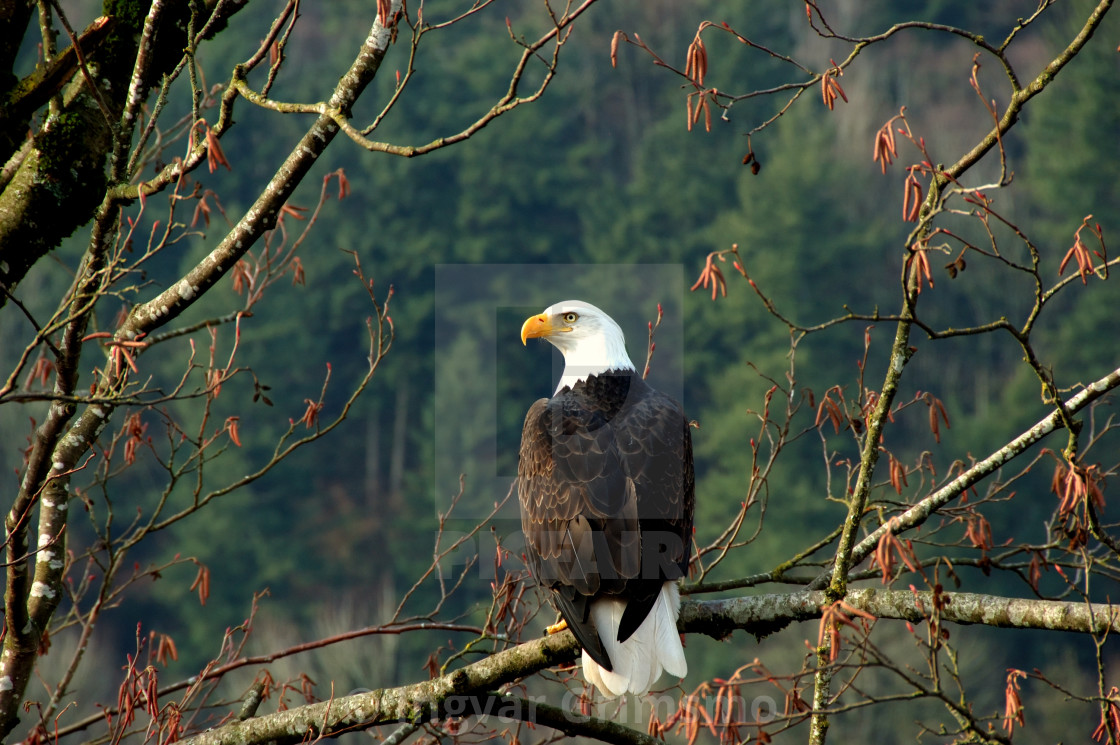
[605, 482]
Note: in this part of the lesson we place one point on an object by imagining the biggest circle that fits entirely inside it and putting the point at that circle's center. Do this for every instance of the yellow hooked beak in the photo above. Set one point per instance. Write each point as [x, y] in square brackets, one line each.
[536, 327]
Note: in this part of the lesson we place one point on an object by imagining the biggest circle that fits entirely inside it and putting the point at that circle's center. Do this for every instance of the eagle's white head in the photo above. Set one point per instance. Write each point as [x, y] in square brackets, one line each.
[589, 339]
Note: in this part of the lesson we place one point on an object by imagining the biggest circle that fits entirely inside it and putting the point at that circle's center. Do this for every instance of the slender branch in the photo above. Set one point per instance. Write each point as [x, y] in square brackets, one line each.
[137, 90]
[1021, 96]
[921, 511]
[340, 115]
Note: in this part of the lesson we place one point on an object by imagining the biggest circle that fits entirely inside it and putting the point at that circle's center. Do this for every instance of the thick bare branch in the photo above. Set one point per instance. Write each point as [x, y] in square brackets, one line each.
[759, 615]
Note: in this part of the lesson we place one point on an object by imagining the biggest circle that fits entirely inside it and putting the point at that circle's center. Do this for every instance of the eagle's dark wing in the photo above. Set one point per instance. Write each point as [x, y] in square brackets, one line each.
[606, 503]
[655, 445]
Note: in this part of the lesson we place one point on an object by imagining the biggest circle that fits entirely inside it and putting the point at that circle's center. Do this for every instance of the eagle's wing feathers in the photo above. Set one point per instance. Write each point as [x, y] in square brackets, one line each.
[656, 450]
[606, 504]
[578, 512]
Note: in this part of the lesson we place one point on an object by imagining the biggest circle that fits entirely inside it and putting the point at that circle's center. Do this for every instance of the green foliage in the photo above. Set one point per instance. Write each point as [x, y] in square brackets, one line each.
[601, 171]
[571, 179]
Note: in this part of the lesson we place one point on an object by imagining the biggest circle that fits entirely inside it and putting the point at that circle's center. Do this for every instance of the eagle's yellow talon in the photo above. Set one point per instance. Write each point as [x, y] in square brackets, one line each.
[556, 628]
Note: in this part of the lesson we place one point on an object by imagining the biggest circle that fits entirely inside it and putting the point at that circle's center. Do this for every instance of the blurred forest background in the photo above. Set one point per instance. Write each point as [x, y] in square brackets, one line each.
[602, 171]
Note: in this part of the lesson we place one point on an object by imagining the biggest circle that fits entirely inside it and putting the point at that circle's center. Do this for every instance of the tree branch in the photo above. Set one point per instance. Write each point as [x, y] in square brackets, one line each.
[921, 511]
[760, 615]
[409, 703]
[1020, 98]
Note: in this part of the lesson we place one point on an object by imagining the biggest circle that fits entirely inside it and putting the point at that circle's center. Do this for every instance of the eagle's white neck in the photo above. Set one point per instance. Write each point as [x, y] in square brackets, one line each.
[592, 355]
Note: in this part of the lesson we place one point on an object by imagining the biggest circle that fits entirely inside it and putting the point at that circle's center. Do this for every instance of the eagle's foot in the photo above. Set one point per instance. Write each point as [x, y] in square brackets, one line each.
[556, 628]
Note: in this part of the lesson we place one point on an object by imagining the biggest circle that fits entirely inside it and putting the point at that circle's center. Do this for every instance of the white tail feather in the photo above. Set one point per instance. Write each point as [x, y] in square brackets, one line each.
[655, 647]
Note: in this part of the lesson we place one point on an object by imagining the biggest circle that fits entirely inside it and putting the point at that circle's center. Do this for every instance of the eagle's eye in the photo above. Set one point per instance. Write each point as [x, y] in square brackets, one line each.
[570, 317]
